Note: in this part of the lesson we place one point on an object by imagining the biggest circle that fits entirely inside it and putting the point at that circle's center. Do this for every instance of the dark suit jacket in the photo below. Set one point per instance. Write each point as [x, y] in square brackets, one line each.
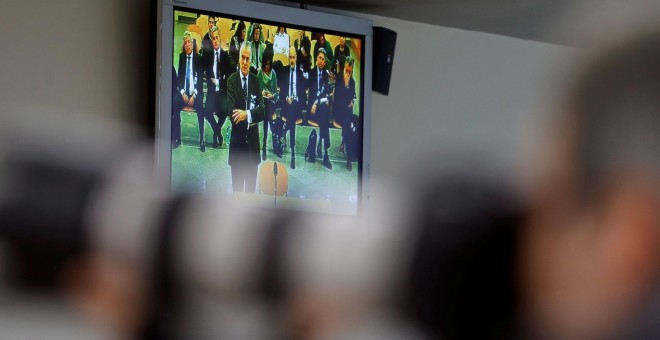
[316, 93]
[244, 143]
[224, 71]
[342, 98]
[197, 74]
[207, 43]
[284, 79]
[234, 49]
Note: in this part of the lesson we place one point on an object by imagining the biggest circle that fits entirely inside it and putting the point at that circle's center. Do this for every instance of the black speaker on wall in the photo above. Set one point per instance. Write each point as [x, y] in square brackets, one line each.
[384, 43]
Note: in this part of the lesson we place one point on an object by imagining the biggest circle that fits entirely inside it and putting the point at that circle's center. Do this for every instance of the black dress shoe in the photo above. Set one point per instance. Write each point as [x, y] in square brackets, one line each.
[217, 141]
[277, 148]
[293, 162]
[309, 158]
[326, 162]
[202, 146]
[349, 166]
[279, 152]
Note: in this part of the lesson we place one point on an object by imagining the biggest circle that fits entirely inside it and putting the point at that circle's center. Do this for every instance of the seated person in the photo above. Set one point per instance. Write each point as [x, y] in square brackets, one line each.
[189, 81]
[344, 100]
[235, 45]
[281, 44]
[267, 80]
[292, 92]
[257, 46]
[325, 45]
[342, 51]
[217, 72]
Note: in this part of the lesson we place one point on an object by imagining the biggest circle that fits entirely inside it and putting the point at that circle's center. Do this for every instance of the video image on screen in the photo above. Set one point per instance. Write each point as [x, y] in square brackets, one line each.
[263, 109]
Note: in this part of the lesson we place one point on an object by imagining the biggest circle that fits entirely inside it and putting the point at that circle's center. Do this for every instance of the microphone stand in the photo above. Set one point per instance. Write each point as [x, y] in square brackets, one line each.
[275, 175]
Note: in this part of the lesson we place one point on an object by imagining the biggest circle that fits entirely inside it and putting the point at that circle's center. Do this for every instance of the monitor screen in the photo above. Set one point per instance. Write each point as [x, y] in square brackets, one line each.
[264, 103]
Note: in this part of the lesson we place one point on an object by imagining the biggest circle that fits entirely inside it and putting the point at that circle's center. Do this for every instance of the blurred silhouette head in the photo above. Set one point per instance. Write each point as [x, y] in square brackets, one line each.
[239, 34]
[461, 281]
[305, 46]
[592, 248]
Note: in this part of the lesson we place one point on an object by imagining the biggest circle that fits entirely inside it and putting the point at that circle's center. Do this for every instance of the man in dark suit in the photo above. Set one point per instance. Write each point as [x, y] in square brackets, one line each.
[248, 109]
[189, 81]
[320, 91]
[292, 92]
[217, 73]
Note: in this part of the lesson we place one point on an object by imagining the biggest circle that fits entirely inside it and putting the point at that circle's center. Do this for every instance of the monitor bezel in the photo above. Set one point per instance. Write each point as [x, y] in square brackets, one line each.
[260, 11]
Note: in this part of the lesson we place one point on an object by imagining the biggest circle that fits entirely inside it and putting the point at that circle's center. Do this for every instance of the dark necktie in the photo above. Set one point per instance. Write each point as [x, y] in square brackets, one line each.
[187, 83]
[291, 86]
[215, 66]
[245, 93]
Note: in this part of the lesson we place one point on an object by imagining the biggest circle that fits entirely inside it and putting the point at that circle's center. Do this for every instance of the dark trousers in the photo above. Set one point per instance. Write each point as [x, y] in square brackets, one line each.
[269, 124]
[244, 177]
[274, 123]
[177, 106]
[176, 126]
[216, 103]
[348, 123]
[323, 119]
[200, 123]
[292, 113]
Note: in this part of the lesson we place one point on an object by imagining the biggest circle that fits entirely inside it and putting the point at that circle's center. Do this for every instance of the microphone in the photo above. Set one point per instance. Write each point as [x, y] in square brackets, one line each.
[275, 175]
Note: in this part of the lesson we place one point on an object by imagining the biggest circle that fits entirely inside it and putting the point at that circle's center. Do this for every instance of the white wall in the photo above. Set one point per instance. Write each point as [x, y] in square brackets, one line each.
[450, 88]
[459, 89]
[75, 56]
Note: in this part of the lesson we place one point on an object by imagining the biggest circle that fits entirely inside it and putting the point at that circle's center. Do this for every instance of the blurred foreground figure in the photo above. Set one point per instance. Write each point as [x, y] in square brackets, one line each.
[82, 220]
[591, 253]
[61, 182]
[461, 279]
[85, 220]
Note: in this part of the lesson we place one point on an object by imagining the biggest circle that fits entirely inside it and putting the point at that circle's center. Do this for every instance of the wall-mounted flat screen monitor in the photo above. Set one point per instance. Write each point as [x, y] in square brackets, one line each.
[264, 103]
